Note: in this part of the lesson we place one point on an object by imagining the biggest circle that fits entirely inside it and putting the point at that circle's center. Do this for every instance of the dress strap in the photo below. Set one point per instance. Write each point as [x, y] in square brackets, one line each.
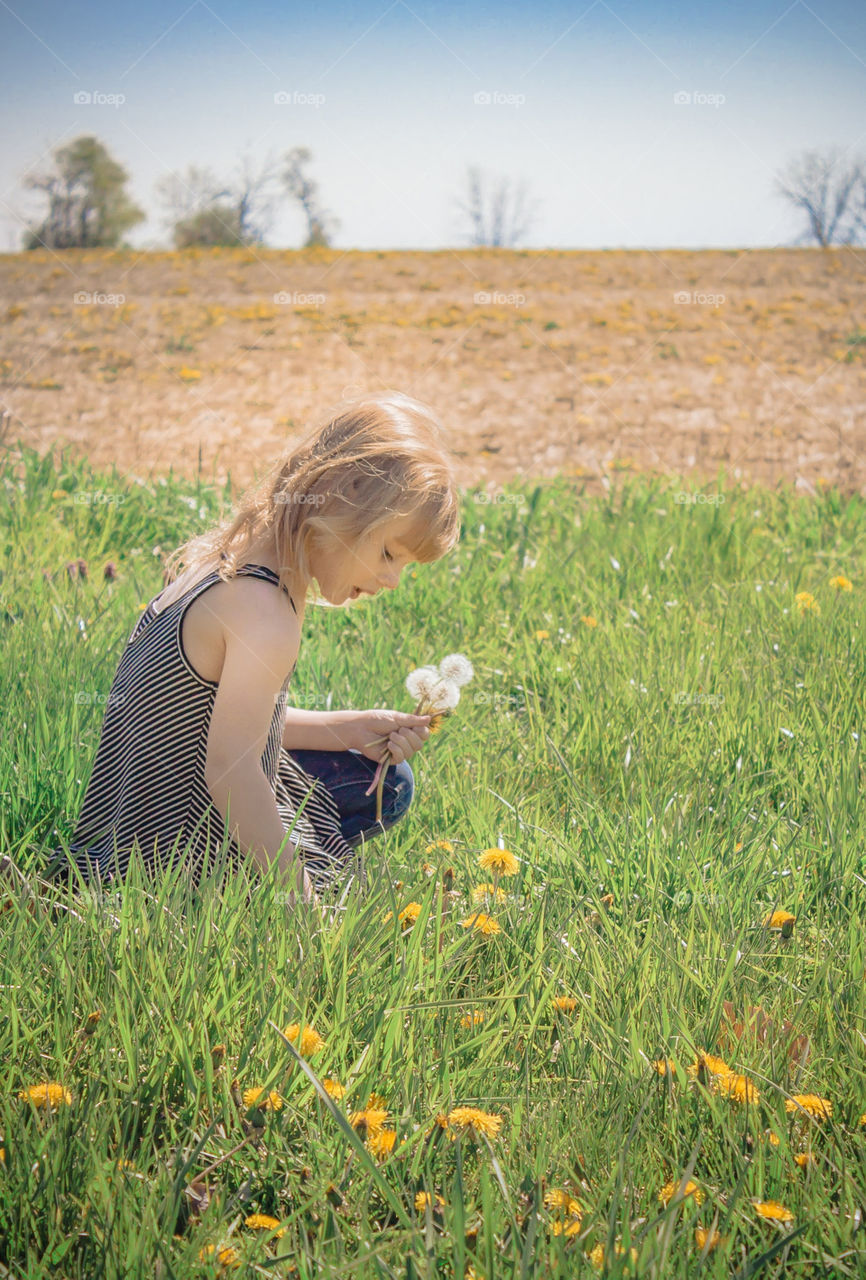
[257, 570]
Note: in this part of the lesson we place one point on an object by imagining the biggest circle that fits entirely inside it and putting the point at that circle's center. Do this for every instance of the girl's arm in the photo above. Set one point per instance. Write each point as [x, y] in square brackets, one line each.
[261, 642]
[355, 730]
[319, 730]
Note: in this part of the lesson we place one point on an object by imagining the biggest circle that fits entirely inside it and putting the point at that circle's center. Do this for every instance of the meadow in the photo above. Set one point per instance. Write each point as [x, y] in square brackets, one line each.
[540, 362]
[601, 1008]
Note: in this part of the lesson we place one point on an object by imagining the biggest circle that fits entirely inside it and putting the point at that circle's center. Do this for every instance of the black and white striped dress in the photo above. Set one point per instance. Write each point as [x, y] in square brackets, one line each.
[148, 784]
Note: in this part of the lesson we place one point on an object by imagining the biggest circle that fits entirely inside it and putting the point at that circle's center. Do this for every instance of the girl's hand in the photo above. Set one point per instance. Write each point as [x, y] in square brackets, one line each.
[405, 733]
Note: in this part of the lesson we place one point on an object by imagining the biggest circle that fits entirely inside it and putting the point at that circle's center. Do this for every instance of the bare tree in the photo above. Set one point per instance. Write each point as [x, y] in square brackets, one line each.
[203, 210]
[500, 218]
[320, 224]
[185, 194]
[825, 187]
[255, 191]
[858, 209]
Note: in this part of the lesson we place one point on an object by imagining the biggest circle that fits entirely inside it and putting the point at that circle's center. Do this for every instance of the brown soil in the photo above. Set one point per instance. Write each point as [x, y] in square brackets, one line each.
[581, 362]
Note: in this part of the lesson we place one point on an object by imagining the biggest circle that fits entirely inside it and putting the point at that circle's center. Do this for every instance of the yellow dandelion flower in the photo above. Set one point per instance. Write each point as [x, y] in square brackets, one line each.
[482, 923]
[256, 1098]
[264, 1222]
[441, 1120]
[428, 868]
[473, 1019]
[664, 1066]
[570, 1227]
[707, 1064]
[310, 1040]
[565, 1004]
[500, 861]
[705, 1239]
[806, 603]
[862, 1120]
[670, 1189]
[772, 1138]
[805, 1160]
[811, 1104]
[227, 1257]
[482, 891]
[474, 1121]
[440, 844]
[373, 1117]
[772, 1211]
[841, 583]
[2, 1155]
[410, 913]
[561, 1201]
[739, 1088]
[588, 620]
[596, 1254]
[49, 1095]
[58, 495]
[333, 1088]
[91, 1022]
[781, 920]
[381, 1141]
[542, 635]
[422, 1199]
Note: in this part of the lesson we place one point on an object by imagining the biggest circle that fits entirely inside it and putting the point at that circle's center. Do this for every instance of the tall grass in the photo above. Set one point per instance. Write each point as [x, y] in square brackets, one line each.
[666, 778]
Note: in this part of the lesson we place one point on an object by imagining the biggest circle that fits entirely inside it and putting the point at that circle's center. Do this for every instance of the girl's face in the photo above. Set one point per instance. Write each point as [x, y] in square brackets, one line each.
[346, 572]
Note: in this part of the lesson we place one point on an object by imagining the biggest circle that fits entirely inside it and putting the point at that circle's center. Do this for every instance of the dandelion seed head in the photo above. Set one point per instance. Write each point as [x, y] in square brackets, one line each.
[421, 682]
[457, 668]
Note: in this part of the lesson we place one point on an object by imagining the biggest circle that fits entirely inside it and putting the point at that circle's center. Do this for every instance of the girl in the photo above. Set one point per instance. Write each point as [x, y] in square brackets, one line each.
[199, 749]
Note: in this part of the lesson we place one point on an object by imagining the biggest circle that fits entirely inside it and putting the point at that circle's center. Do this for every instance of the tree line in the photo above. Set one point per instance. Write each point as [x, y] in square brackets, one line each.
[88, 204]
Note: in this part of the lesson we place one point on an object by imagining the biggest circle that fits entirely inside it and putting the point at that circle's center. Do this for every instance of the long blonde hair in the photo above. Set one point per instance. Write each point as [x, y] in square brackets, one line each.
[375, 458]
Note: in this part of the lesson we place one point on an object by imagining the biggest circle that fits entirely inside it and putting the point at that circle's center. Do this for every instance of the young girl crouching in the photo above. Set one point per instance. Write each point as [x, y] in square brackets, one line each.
[199, 752]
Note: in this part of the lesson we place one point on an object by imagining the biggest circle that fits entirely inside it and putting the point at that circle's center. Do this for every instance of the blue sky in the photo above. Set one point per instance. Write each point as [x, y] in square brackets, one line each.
[384, 95]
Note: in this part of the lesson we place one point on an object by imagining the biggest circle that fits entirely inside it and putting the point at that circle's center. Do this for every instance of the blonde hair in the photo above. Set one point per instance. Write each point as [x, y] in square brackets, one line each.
[375, 458]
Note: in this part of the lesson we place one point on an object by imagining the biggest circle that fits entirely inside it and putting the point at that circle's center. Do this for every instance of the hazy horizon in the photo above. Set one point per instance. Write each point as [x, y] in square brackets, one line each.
[581, 104]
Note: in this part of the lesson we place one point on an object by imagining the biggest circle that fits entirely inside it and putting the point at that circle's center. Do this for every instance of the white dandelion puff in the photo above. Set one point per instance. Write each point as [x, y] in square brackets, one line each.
[456, 668]
[444, 696]
[421, 681]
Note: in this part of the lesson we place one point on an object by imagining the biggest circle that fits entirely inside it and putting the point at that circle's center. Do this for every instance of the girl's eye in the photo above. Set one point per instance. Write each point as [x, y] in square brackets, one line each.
[387, 554]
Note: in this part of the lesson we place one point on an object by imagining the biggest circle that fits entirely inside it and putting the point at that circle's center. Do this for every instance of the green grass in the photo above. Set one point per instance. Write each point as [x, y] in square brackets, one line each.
[697, 755]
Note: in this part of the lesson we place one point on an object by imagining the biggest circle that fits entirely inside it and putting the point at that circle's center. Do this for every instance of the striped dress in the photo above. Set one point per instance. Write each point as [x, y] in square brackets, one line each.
[148, 779]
